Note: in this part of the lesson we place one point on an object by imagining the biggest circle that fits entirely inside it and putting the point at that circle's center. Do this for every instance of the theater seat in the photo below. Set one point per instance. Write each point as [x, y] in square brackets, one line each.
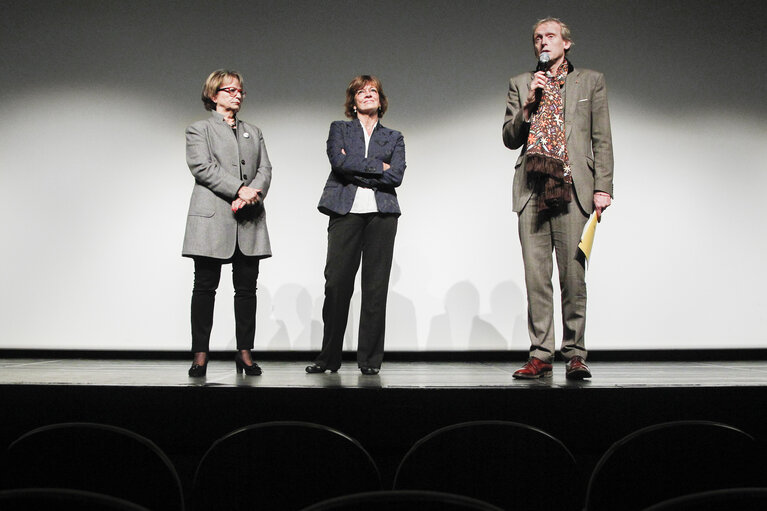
[96, 458]
[510, 465]
[281, 465]
[672, 459]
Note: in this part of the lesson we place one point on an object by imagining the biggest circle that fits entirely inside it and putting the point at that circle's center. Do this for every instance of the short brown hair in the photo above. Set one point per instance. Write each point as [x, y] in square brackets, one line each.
[566, 36]
[359, 82]
[214, 81]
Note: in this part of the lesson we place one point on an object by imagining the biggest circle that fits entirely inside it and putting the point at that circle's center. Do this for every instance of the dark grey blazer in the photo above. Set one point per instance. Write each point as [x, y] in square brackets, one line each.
[587, 129]
[221, 162]
[352, 170]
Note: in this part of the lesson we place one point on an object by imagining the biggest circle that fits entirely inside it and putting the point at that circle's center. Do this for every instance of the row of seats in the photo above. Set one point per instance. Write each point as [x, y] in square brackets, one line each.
[401, 500]
[473, 465]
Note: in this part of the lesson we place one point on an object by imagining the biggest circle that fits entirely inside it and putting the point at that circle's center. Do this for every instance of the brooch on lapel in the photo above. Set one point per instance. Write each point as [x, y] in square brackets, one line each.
[246, 135]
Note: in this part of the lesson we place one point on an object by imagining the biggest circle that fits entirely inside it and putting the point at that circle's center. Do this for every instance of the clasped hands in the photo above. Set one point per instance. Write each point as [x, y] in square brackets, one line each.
[246, 196]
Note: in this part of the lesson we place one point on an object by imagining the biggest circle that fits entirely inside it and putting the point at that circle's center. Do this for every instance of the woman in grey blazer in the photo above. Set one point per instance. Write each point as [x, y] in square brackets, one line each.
[367, 163]
[226, 222]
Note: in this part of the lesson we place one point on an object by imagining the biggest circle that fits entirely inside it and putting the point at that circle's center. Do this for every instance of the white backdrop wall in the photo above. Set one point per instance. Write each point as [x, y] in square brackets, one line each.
[95, 96]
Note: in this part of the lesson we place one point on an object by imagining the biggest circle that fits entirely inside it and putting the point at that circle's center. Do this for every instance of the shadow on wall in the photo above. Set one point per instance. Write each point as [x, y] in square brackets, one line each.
[462, 327]
[401, 326]
[508, 312]
[401, 322]
[285, 321]
[292, 310]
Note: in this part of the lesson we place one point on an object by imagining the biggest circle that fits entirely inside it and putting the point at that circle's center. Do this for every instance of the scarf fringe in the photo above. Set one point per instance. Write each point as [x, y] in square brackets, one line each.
[546, 165]
[548, 171]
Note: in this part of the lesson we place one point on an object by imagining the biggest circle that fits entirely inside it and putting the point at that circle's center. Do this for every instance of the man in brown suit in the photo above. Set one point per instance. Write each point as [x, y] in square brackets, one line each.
[559, 117]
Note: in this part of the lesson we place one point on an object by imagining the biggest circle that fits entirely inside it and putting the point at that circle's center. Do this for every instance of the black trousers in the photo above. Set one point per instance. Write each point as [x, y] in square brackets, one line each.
[207, 274]
[351, 238]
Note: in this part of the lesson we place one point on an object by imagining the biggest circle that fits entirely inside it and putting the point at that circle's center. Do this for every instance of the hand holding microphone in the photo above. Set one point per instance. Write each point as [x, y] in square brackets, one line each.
[536, 85]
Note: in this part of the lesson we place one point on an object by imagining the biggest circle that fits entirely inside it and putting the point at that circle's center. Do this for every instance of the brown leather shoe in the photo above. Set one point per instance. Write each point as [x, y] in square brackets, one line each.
[534, 368]
[576, 369]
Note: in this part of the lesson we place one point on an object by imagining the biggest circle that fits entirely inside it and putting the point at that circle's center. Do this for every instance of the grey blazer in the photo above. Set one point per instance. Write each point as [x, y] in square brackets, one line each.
[587, 129]
[221, 162]
[353, 169]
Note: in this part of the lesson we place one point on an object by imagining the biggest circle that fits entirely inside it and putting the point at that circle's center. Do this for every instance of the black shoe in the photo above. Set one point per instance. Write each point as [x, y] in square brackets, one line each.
[250, 370]
[315, 368]
[197, 370]
[369, 371]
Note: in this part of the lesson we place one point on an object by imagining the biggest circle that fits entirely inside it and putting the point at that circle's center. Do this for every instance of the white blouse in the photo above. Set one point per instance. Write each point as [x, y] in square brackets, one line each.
[365, 198]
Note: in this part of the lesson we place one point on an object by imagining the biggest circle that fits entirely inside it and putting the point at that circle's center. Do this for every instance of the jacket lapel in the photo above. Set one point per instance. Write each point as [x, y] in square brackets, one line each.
[378, 140]
[572, 85]
[223, 133]
[357, 138]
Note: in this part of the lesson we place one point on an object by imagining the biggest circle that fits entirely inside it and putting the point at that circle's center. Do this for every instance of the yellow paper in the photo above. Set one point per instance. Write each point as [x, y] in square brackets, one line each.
[587, 238]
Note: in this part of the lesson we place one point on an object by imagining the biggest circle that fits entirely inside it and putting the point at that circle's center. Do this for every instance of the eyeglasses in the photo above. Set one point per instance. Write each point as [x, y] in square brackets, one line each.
[232, 91]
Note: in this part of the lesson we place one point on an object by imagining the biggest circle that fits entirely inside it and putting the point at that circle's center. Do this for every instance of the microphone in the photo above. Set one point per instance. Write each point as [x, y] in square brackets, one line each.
[543, 61]
[543, 65]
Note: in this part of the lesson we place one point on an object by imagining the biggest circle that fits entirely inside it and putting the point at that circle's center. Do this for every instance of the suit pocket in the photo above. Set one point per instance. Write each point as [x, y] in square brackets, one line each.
[202, 202]
[201, 212]
[583, 110]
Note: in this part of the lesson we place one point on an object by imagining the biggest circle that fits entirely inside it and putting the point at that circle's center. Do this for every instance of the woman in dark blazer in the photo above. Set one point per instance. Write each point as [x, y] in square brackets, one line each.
[226, 222]
[367, 163]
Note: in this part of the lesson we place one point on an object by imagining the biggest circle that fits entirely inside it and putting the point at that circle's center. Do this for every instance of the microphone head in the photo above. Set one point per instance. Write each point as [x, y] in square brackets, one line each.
[544, 57]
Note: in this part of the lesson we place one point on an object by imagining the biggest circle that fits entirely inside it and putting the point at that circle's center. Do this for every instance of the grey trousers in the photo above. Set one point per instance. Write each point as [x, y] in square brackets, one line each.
[540, 234]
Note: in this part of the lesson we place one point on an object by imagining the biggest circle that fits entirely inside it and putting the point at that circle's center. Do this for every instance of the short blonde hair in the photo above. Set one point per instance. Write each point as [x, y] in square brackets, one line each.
[357, 83]
[212, 84]
[562, 25]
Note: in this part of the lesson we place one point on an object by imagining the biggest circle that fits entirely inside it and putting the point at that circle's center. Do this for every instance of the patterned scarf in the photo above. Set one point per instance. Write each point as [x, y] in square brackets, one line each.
[548, 168]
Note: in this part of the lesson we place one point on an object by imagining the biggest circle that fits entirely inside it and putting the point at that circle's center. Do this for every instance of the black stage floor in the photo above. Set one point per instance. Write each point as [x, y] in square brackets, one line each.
[395, 375]
[387, 413]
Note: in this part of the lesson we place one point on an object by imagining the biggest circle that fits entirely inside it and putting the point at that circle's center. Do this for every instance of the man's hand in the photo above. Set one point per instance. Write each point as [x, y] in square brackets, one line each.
[531, 103]
[602, 201]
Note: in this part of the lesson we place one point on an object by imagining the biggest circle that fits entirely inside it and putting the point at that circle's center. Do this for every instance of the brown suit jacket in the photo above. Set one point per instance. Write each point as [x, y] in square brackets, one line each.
[587, 128]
